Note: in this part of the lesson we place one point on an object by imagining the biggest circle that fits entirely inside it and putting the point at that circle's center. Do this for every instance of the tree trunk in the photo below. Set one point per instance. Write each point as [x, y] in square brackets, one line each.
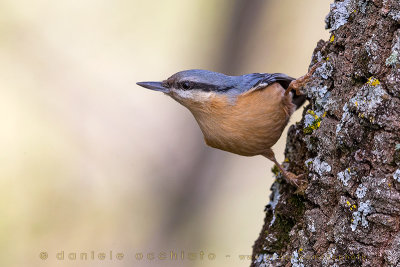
[348, 145]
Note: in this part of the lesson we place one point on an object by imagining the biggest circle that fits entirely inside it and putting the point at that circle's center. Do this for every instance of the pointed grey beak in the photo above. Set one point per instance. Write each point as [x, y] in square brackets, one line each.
[156, 86]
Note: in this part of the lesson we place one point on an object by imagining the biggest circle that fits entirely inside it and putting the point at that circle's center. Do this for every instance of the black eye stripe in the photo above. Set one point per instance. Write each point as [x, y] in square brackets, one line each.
[186, 85]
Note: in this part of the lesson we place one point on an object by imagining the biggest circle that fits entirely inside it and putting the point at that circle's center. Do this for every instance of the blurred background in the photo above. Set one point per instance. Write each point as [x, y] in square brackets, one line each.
[92, 163]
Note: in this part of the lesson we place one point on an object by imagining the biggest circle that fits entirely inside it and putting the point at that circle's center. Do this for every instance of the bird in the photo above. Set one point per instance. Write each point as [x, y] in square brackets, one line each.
[244, 114]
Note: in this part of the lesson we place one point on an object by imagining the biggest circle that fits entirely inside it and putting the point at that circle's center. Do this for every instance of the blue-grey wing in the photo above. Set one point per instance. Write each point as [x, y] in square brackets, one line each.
[270, 78]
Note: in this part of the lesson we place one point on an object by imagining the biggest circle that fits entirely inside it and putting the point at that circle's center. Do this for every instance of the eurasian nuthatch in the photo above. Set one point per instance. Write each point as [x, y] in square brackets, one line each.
[244, 115]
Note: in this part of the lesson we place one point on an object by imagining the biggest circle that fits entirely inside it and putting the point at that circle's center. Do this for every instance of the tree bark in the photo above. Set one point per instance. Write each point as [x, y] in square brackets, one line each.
[348, 144]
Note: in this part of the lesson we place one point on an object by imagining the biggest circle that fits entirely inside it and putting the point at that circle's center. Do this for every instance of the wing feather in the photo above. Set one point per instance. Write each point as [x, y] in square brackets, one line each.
[270, 78]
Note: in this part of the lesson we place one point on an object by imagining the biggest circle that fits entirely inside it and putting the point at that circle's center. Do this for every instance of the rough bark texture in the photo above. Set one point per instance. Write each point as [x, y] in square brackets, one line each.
[348, 143]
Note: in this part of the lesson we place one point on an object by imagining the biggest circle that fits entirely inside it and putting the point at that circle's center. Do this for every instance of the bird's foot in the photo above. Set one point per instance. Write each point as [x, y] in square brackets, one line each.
[302, 81]
[298, 181]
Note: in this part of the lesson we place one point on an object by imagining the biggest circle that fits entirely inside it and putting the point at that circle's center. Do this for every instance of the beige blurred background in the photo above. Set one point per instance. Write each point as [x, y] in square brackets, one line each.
[92, 162]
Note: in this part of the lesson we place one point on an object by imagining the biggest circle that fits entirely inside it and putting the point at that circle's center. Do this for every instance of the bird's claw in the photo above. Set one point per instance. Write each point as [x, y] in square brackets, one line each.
[295, 180]
[302, 81]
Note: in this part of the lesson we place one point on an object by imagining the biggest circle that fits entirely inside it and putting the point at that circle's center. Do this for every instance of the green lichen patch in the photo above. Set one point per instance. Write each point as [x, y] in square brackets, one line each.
[312, 121]
[275, 170]
[280, 230]
[276, 235]
[297, 204]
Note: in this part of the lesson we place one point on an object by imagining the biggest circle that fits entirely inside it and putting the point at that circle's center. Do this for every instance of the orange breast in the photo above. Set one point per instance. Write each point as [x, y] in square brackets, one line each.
[247, 126]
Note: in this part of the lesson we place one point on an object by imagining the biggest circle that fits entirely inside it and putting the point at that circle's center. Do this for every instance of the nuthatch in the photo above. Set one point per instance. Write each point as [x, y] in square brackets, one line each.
[244, 115]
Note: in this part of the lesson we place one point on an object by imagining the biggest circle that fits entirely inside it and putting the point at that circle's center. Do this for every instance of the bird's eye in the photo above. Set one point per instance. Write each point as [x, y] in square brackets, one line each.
[185, 85]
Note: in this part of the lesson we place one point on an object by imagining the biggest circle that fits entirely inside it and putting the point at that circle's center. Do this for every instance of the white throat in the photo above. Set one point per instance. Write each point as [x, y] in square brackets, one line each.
[196, 95]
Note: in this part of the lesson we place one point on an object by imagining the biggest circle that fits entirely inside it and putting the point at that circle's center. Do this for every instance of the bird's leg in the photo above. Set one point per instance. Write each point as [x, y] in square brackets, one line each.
[291, 178]
[302, 81]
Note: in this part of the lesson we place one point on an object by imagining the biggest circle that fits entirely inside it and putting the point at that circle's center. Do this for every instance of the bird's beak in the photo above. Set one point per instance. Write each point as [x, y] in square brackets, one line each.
[156, 86]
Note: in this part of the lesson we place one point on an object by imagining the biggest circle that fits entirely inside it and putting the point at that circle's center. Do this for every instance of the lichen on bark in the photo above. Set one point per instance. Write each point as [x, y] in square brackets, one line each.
[348, 144]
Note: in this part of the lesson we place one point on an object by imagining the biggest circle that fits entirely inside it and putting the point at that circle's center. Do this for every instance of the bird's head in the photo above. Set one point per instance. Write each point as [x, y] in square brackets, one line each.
[194, 86]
